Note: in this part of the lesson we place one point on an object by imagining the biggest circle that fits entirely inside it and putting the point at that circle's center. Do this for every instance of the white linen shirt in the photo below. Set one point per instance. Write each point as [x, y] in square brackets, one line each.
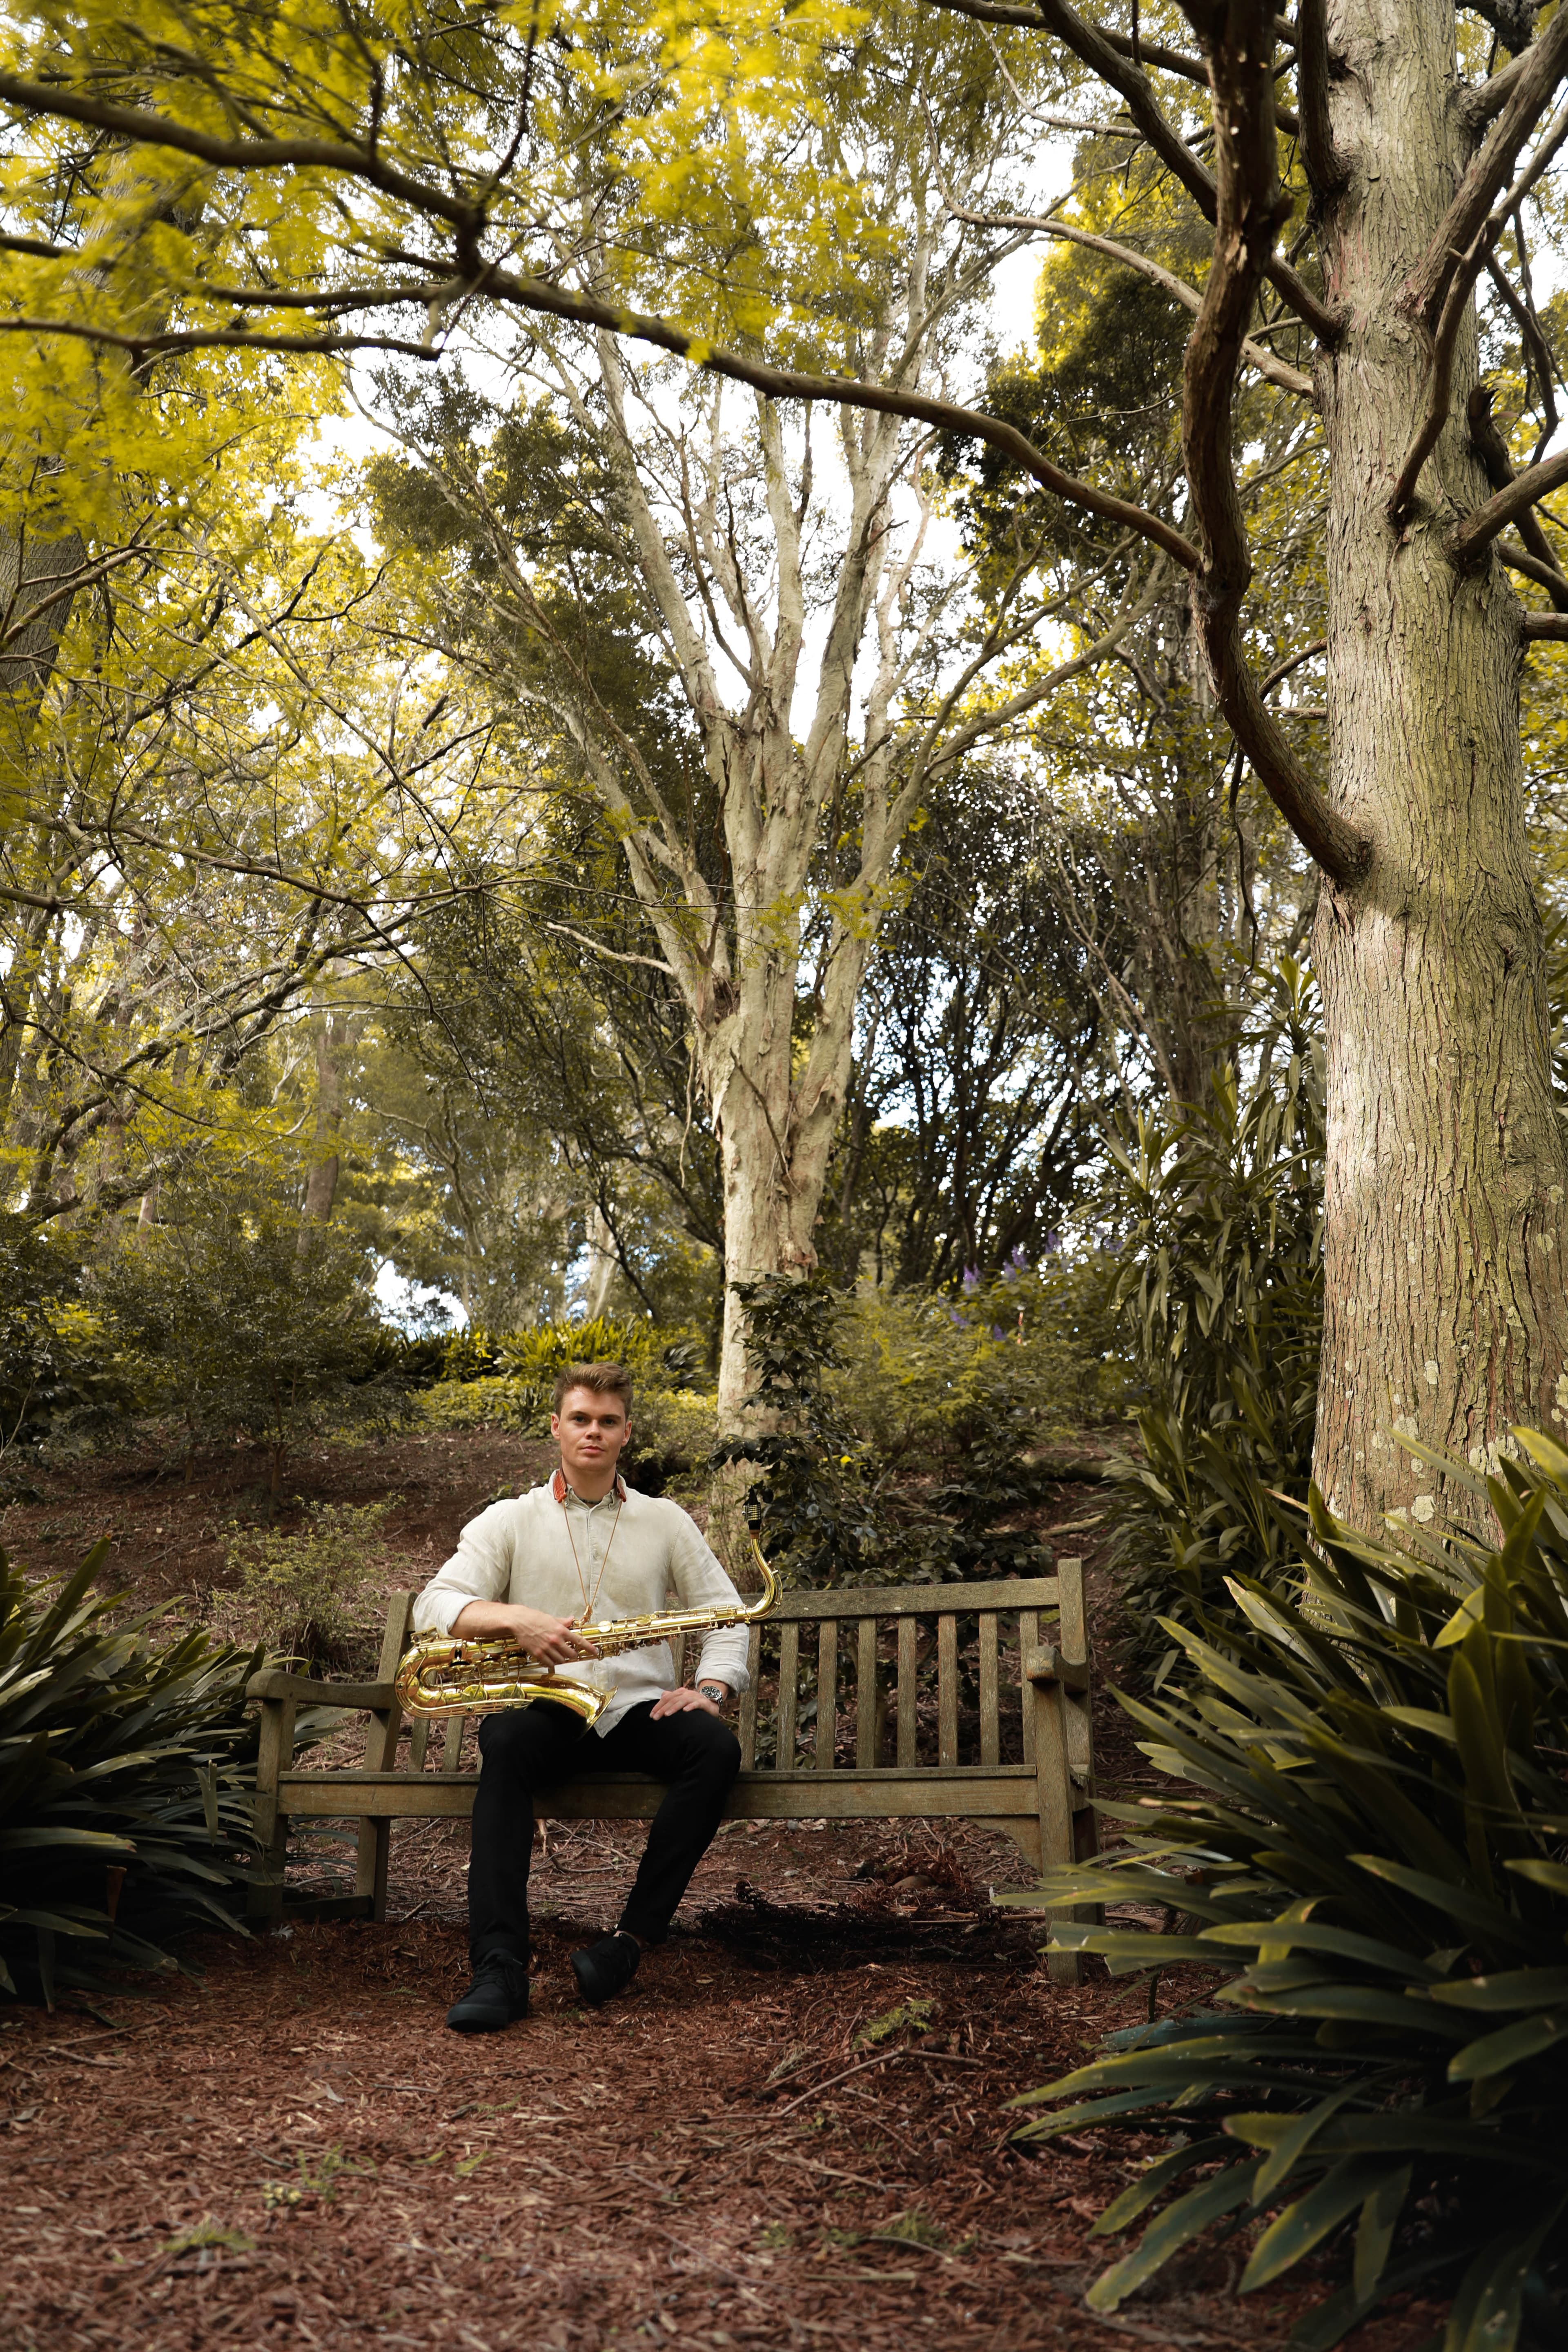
[632, 1552]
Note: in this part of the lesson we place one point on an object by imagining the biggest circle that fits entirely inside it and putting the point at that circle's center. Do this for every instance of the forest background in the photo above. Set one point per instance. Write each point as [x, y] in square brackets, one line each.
[802, 859]
[397, 840]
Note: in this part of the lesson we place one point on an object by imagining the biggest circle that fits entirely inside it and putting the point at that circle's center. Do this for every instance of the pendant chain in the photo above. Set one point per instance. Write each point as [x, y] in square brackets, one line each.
[588, 1606]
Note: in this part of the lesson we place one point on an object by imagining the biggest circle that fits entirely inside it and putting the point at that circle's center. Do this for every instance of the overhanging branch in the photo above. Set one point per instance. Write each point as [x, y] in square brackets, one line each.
[1542, 68]
[1470, 542]
[1288, 379]
[1540, 562]
[1250, 207]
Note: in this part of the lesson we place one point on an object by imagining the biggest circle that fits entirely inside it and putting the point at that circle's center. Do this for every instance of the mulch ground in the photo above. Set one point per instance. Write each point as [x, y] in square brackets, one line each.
[293, 2151]
[794, 2131]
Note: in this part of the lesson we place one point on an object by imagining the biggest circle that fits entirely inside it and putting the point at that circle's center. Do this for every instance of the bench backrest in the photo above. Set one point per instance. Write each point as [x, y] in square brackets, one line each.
[906, 1677]
[903, 1676]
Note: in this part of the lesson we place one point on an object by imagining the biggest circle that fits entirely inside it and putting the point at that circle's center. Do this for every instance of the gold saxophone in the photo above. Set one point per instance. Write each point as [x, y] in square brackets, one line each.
[457, 1677]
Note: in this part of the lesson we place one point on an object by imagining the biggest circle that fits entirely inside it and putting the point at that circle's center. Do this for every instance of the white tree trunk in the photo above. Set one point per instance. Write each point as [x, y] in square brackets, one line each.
[1447, 1311]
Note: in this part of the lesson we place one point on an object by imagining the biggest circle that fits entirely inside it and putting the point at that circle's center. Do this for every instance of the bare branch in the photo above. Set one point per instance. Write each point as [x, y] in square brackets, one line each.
[1466, 269]
[148, 129]
[1471, 540]
[1283, 669]
[1251, 208]
[1492, 450]
[1482, 104]
[1325, 166]
[614, 955]
[1288, 379]
[1537, 348]
[1529, 567]
[1457, 233]
[1546, 626]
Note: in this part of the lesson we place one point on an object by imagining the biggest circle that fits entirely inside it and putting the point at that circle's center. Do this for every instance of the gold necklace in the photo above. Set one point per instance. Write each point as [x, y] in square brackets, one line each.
[588, 1606]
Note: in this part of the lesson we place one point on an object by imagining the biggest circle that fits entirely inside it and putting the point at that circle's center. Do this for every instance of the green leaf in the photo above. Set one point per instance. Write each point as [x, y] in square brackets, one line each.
[1179, 2222]
[98, 1841]
[1304, 2224]
[1375, 2231]
[1495, 2052]
[1287, 2137]
[1515, 1989]
[1154, 2182]
[1462, 1904]
[1490, 2305]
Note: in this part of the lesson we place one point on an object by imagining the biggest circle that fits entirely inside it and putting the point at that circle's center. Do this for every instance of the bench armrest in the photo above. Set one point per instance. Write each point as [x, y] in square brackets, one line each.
[276, 1684]
[1046, 1665]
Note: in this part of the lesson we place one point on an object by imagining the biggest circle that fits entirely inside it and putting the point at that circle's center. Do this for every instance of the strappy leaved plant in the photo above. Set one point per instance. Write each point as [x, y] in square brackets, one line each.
[1376, 1854]
[127, 1771]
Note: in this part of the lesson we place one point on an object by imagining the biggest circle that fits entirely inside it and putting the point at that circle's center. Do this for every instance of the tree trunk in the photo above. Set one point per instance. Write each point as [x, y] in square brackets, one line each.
[1447, 1311]
[770, 1208]
[36, 601]
[333, 1035]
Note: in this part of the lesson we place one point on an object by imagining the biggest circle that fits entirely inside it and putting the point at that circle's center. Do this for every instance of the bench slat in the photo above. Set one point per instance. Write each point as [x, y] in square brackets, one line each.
[827, 1692]
[947, 1689]
[866, 1695]
[748, 1700]
[789, 1674]
[907, 1640]
[916, 1600]
[1008, 1794]
[452, 1746]
[990, 1710]
[1028, 1639]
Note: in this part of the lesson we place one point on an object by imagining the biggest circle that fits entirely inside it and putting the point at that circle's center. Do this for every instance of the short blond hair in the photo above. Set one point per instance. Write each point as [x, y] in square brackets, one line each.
[601, 1380]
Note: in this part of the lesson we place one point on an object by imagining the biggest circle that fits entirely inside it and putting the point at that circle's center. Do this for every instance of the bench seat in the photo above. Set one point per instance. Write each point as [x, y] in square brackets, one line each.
[981, 1639]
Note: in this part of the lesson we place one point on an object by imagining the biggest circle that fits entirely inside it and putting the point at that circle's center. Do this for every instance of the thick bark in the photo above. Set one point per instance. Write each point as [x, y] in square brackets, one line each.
[1447, 1313]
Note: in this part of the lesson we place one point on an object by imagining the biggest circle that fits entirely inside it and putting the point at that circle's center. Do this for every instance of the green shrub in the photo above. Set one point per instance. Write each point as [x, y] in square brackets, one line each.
[1377, 1853]
[127, 1773]
[1221, 1289]
[818, 1503]
[225, 1327]
[673, 1431]
[58, 1391]
[858, 1393]
[917, 1374]
[307, 1593]
[512, 1374]
[492, 1403]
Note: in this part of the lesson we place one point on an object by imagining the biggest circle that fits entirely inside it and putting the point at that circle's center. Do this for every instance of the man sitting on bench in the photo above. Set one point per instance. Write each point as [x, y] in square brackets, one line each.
[583, 1548]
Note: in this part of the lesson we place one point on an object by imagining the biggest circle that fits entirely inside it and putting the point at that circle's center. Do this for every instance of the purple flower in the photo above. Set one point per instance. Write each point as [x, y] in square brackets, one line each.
[972, 1277]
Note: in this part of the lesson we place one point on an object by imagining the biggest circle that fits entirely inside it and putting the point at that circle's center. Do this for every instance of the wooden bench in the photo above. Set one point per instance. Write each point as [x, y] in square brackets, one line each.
[945, 1679]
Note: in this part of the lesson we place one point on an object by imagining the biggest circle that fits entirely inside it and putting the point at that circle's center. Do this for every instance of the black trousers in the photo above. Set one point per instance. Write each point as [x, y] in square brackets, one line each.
[529, 1748]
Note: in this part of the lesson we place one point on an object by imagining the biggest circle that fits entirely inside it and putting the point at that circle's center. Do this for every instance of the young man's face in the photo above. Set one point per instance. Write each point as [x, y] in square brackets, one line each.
[590, 1429]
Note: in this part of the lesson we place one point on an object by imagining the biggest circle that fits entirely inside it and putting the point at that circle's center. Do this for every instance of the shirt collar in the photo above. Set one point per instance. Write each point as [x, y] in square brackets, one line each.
[560, 1489]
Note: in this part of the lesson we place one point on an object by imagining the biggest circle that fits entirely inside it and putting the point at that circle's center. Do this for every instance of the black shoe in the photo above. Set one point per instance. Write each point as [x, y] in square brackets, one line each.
[608, 1967]
[497, 1998]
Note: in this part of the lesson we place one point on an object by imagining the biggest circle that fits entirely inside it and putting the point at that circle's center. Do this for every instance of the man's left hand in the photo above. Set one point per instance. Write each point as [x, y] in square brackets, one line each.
[682, 1702]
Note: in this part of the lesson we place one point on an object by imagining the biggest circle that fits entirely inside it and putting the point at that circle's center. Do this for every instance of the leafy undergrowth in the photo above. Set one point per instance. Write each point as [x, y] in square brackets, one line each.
[783, 2138]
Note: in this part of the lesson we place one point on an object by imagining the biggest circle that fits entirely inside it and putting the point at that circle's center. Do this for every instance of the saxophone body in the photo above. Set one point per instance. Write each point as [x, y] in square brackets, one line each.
[457, 1677]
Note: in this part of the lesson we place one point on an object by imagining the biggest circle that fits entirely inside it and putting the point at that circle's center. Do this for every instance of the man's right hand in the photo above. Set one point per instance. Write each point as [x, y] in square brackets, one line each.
[551, 1640]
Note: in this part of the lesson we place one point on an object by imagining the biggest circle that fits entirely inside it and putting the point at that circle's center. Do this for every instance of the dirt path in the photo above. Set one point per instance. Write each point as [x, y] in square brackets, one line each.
[294, 2151]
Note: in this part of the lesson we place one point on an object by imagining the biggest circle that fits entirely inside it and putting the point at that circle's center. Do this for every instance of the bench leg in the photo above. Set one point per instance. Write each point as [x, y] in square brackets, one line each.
[276, 1752]
[370, 1864]
[1054, 1795]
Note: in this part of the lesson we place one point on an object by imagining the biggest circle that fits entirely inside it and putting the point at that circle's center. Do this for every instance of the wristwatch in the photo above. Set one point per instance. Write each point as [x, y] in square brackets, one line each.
[715, 1693]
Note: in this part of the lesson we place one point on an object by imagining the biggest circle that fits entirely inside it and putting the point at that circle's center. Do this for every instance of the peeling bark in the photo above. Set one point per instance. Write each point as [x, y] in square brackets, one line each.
[1446, 1313]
